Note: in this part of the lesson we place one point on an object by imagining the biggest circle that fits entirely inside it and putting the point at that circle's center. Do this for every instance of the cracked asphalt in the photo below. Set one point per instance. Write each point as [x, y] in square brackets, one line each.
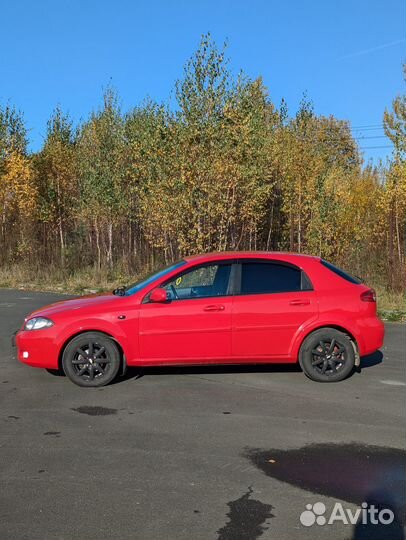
[211, 453]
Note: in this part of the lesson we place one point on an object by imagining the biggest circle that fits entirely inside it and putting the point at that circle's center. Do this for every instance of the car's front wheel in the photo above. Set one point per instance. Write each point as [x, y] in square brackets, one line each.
[91, 359]
[327, 355]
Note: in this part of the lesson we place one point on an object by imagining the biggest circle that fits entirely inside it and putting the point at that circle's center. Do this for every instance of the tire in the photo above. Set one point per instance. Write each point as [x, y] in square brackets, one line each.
[91, 359]
[327, 355]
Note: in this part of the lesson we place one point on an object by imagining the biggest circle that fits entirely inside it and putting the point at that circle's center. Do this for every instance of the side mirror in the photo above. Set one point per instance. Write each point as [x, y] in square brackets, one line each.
[158, 295]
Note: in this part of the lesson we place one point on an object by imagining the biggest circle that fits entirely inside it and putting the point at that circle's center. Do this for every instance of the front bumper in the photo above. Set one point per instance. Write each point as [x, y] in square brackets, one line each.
[36, 348]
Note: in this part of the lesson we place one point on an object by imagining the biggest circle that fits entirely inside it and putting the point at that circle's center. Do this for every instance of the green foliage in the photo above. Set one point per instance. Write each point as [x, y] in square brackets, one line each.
[395, 124]
[100, 147]
[13, 134]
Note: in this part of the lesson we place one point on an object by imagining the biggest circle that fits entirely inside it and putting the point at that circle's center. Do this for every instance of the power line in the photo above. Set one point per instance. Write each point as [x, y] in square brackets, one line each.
[336, 138]
[368, 129]
[368, 126]
[360, 138]
[371, 147]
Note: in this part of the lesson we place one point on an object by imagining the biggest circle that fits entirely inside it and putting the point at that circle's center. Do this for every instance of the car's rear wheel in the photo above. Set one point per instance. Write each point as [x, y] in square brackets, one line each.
[327, 355]
[91, 359]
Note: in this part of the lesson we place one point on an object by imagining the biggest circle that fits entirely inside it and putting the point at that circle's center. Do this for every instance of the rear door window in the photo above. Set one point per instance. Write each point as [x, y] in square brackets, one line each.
[267, 278]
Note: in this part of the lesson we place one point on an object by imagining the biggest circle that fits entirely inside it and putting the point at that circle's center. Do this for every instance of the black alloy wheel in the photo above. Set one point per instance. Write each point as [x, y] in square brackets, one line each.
[91, 359]
[327, 355]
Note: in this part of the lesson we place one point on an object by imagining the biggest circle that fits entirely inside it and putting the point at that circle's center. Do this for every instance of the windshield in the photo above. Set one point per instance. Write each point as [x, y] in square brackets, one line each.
[150, 278]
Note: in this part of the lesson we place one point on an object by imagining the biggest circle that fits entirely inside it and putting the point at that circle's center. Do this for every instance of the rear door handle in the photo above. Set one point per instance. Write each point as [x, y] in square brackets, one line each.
[299, 302]
[214, 307]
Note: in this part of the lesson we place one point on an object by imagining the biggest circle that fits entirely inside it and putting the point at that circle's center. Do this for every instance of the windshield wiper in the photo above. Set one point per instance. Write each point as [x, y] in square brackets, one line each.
[120, 291]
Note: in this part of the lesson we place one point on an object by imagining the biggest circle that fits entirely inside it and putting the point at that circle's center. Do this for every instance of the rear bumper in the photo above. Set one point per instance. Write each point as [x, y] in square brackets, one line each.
[371, 335]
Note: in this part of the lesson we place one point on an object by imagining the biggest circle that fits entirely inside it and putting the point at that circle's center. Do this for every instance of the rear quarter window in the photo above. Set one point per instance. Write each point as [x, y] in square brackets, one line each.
[345, 275]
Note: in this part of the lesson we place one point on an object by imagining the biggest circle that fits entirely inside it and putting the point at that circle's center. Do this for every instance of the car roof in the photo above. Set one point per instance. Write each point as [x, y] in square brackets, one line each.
[272, 255]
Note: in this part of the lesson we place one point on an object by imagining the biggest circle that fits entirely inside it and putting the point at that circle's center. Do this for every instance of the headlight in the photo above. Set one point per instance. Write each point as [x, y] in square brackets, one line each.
[37, 323]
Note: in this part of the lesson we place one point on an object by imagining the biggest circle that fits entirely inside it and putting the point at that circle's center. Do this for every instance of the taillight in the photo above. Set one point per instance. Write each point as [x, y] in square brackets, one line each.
[368, 296]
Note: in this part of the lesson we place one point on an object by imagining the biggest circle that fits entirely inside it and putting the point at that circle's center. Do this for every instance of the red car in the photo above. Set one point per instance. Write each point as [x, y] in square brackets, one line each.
[219, 308]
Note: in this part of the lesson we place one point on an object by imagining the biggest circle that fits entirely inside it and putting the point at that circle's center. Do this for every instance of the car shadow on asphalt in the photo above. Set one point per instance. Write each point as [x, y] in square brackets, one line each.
[137, 373]
[371, 360]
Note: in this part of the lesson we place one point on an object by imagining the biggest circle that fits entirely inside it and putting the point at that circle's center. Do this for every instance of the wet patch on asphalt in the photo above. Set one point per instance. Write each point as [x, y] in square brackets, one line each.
[95, 411]
[247, 519]
[351, 472]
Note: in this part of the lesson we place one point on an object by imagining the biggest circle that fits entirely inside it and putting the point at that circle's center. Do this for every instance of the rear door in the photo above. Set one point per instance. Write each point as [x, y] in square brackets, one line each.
[272, 302]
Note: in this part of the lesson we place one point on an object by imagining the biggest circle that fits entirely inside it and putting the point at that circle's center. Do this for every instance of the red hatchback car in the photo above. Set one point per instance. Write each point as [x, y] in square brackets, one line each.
[220, 308]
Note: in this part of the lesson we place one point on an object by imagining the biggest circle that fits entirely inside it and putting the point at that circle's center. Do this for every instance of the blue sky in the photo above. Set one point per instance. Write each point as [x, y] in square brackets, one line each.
[346, 55]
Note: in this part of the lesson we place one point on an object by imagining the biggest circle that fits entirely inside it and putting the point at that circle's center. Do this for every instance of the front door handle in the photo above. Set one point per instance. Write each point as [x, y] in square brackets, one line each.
[214, 307]
[299, 302]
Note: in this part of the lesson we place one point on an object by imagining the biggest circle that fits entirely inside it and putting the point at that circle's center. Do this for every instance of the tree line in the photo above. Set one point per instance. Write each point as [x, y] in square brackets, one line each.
[225, 169]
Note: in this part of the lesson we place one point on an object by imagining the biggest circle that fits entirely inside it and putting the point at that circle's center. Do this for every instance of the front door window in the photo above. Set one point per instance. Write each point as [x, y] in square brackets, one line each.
[202, 282]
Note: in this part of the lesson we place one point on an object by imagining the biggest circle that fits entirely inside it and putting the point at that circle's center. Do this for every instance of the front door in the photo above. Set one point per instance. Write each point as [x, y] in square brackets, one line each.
[195, 323]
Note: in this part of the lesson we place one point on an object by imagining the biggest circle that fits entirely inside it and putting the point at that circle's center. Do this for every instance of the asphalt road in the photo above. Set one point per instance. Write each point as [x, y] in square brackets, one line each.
[197, 453]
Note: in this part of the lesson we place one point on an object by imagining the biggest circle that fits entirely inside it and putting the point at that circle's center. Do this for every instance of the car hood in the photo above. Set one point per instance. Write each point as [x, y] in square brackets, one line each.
[76, 304]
